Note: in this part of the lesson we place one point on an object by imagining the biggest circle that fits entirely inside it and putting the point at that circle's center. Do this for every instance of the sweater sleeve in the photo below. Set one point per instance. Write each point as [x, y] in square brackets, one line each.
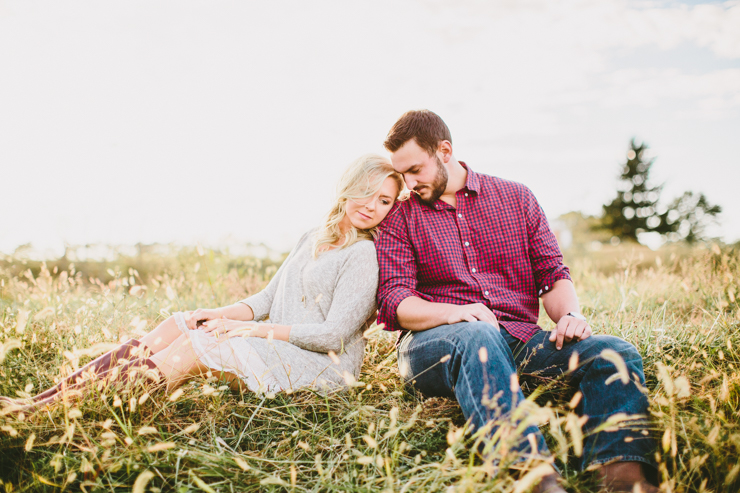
[352, 304]
[261, 302]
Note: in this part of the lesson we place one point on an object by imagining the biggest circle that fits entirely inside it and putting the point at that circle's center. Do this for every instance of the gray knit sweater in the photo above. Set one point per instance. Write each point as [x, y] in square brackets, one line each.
[329, 302]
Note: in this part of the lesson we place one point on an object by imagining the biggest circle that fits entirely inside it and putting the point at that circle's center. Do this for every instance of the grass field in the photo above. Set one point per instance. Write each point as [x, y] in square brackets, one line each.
[678, 306]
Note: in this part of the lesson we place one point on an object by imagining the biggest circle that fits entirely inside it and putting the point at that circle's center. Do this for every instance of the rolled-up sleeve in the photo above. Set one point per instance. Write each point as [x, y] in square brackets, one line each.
[397, 269]
[544, 252]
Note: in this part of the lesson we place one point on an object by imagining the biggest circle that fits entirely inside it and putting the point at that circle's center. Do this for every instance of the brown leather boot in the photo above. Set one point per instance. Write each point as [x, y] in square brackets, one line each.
[100, 365]
[549, 484]
[112, 376]
[622, 477]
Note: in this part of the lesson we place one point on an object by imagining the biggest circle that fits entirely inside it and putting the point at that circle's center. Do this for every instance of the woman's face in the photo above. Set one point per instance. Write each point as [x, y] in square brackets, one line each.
[367, 212]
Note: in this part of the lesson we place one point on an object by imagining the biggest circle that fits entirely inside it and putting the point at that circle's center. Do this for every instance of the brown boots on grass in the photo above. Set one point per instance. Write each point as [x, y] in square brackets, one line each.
[124, 358]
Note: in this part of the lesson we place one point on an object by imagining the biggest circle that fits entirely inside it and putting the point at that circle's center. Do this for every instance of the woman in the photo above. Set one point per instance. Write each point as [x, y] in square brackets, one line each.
[319, 303]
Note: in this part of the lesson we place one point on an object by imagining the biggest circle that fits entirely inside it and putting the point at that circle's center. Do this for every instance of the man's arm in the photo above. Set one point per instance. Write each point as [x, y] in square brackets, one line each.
[552, 278]
[401, 306]
[558, 302]
[417, 314]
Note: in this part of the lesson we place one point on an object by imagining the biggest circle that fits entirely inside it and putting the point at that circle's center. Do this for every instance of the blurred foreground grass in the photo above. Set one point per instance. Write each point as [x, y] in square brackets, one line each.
[677, 306]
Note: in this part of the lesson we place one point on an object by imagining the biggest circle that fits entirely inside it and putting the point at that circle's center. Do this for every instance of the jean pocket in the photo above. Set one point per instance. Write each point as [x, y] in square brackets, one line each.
[404, 342]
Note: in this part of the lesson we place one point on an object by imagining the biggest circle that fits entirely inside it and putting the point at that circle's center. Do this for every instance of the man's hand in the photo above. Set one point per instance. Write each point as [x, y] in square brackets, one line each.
[568, 329]
[471, 313]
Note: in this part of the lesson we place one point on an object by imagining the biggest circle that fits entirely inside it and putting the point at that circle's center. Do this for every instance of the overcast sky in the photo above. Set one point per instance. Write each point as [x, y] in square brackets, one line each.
[160, 121]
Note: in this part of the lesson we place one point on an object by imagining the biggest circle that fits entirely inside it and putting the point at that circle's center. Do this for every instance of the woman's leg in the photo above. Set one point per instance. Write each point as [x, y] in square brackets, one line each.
[100, 365]
[175, 357]
[164, 335]
[155, 341]
[178, 363]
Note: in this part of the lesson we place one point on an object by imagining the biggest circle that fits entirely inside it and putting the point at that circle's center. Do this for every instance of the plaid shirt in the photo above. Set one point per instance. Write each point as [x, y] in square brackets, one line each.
[495, 248]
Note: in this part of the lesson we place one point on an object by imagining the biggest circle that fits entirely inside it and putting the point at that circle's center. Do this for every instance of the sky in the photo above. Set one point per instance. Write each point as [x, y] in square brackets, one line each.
[215, 122]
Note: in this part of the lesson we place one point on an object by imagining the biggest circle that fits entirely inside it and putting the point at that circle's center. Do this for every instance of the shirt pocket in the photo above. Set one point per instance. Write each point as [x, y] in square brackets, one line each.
[440, 257]
[501, 245]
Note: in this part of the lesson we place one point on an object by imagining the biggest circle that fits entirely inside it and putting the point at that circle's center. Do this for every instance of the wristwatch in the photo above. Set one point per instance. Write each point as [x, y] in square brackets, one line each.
[576, 315]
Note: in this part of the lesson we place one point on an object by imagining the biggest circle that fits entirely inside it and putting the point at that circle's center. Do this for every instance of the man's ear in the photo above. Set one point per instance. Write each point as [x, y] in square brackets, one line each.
[445, 148]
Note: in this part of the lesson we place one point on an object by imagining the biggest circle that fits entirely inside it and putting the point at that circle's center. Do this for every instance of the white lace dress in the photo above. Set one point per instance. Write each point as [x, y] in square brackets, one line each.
[328, 302]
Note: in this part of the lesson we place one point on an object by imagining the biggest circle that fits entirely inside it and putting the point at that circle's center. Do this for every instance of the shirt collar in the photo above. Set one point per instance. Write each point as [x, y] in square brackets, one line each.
[471, 182]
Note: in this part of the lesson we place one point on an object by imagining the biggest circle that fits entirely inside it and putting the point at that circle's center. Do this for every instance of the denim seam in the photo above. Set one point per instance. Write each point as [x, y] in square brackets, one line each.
[477, 405]
[621, 458]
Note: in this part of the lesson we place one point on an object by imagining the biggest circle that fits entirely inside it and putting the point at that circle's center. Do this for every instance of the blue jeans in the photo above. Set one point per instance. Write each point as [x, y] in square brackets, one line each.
[464, 377]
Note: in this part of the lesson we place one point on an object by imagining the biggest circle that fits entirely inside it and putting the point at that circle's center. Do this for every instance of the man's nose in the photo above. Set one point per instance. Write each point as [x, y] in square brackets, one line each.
[410, 182]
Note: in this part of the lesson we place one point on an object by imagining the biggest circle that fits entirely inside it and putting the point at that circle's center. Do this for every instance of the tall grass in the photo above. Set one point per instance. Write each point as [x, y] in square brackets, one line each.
[679, 308]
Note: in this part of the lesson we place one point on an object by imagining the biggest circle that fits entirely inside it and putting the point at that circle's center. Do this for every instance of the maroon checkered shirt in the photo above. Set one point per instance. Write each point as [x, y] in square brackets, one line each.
[495, 248]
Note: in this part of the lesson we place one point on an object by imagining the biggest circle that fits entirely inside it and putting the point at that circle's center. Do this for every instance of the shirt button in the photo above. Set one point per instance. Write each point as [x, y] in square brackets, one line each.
[459, 215]
[466, 194]
[473, 269]
[486, 293]
[467, 244]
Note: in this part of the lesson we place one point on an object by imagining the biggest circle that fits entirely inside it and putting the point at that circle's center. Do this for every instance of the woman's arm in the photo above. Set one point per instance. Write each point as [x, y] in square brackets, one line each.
[237, 311]
[235, 328]
[256, 307]
[261, 302]
[353, 303]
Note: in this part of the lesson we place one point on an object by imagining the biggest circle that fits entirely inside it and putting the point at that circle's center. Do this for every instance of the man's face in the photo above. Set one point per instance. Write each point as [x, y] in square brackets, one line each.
[424, 174]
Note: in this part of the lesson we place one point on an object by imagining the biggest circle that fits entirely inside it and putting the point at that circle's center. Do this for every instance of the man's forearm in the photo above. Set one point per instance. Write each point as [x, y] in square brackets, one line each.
[560, 300]
[417, 314]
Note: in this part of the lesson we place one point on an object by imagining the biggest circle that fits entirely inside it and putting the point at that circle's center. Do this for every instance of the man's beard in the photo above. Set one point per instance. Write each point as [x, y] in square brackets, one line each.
[438, 186]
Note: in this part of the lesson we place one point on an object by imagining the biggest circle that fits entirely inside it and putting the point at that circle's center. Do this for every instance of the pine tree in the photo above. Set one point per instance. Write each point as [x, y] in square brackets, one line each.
[689, 215]
[637, 208]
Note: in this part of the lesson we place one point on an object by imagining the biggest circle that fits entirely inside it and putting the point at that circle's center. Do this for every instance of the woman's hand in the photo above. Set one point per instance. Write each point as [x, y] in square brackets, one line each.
[237, 328]
[231, 328]
[202, 315]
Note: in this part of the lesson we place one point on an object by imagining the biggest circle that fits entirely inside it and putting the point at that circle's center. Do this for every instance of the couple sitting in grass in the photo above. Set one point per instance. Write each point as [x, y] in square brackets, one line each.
[458, 269]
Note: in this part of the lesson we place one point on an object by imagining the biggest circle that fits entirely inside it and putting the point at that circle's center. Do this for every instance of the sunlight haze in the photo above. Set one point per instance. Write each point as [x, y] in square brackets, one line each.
[126, 122]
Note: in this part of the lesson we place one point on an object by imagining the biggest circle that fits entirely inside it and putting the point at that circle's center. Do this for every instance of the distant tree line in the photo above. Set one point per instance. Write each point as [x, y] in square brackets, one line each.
[638, 207]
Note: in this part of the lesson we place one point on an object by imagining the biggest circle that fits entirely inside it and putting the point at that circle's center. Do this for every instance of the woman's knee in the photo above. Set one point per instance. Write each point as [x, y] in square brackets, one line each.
[182, 344]
[161, 337]
[178, 355]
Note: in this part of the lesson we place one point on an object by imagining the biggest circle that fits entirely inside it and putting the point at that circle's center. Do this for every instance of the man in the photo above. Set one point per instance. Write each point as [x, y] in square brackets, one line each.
[461, 266]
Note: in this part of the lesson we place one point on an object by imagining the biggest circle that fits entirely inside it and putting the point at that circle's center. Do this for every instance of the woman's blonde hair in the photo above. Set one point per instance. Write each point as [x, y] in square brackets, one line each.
[362, 179]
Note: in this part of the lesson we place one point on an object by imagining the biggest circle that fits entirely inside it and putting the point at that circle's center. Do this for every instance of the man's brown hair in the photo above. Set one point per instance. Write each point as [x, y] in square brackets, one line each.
[424, 126]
